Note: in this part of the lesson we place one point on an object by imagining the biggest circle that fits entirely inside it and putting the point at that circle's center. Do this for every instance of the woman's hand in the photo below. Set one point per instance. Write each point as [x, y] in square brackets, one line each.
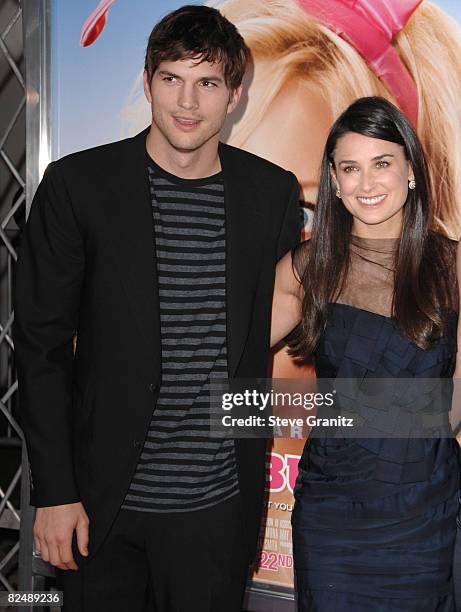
[287, 300]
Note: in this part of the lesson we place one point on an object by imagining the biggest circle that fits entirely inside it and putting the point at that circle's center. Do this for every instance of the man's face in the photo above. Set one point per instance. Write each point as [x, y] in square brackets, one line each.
[190, 102]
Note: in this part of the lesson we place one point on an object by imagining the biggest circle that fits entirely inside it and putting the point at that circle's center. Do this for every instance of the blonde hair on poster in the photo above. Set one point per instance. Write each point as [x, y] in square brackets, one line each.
[286, 43]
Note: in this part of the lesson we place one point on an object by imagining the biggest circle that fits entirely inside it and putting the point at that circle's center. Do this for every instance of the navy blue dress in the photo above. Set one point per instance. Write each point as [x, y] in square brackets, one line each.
[374, 520]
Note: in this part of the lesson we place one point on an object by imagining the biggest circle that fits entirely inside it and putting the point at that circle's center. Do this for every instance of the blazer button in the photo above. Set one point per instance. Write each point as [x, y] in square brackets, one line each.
[137, 443]
[153, 388]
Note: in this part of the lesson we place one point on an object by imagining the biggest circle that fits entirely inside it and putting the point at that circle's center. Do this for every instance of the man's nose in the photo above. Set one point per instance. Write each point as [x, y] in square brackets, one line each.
[188, 98]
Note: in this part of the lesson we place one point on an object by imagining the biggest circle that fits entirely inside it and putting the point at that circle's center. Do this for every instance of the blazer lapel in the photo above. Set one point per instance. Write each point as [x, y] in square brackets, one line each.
[129, 216]
[244, 225]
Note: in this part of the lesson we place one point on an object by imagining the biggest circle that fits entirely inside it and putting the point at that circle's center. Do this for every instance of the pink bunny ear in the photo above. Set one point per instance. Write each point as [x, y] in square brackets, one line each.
[370, 27]
[95, 23]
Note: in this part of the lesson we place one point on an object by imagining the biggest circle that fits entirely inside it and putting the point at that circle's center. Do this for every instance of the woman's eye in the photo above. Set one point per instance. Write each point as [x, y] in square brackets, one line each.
[349, 169]
[382, 164]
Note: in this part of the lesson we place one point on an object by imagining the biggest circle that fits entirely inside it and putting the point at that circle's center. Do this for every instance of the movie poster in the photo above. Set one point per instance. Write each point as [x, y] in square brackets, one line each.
[302, 76]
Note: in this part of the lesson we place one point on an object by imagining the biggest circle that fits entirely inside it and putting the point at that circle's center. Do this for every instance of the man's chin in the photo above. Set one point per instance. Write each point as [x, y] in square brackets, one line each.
[183, 145]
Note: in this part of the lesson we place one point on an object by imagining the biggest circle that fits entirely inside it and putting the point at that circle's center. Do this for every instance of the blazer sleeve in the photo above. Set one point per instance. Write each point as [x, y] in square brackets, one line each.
[290, 231]
[48, 280]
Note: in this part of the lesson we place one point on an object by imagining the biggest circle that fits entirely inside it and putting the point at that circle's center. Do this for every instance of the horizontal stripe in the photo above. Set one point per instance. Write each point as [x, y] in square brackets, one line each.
[210, 307]
[195, 223]
[198, 221]
[176, 391]
[155, 475]
[159, 187]
[163, 499]
[176, 296]
[150, 472]
[173, 428]
[173, 366]
[193, 242]
[195, 331]
[214, 497]
[189, 354]
[210, 341]
[197, 267]
[181, 494]
[205, 186]
[201, 434]
[179, 196]
[173, 212]
[199, 505]
[171, 415]
[182, 489]
[184, 384]
[185, 230]
[189, 278]
[203, 317]
[186, 377]
[154, 463]
[215, 255]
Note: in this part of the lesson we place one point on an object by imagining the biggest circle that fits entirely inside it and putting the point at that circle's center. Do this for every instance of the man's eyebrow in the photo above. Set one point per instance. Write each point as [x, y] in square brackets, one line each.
[168, 73]
[376, 158]
[218, 79]
[214, 78]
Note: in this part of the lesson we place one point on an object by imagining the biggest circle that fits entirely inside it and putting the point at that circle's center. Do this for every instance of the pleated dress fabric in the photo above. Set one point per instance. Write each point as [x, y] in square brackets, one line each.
[374, 521]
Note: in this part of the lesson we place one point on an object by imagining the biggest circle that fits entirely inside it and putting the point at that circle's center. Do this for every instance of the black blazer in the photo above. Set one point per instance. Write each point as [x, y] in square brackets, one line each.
[87, 265]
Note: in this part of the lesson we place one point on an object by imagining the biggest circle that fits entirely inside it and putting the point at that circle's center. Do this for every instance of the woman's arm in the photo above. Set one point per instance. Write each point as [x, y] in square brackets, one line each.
[287, 300]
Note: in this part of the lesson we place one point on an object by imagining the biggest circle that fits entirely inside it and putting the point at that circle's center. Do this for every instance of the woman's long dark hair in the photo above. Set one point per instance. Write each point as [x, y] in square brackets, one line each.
[422, 292]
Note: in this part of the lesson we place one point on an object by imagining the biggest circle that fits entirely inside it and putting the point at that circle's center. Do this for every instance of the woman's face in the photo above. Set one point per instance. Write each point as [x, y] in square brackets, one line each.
[372, 176]
[292, 134]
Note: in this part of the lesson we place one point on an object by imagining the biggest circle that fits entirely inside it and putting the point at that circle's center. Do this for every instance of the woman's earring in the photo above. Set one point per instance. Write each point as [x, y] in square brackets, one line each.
[338, 193]
[411, 184]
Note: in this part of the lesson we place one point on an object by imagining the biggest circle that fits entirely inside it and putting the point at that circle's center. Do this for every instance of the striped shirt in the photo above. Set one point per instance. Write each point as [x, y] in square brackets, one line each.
[181, 467]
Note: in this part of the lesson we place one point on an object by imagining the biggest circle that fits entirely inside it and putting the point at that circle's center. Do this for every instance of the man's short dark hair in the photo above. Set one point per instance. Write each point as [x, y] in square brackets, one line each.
[197, 31]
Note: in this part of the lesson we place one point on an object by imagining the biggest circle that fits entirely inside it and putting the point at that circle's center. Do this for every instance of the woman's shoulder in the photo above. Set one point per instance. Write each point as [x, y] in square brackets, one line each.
[444, 242]
[446, 248]
[444, 251]
[299, 257]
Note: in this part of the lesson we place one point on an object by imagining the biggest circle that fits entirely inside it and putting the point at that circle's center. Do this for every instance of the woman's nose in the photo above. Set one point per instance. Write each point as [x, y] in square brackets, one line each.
[367, 180]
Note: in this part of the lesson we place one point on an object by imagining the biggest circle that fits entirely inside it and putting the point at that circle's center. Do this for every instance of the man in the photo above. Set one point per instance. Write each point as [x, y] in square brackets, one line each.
[158, 252]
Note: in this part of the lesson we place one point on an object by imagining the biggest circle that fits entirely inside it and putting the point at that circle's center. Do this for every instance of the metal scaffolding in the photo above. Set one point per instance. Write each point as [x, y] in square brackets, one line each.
[23, 122]
[12, 205]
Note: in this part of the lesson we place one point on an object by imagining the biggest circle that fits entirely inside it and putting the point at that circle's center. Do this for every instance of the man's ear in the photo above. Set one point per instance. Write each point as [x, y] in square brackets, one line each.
[146, 83]
[234, 98]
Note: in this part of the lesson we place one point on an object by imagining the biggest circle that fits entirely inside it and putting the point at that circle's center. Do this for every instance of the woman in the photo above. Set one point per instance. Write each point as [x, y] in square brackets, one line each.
[306, 72]
[375, 289]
